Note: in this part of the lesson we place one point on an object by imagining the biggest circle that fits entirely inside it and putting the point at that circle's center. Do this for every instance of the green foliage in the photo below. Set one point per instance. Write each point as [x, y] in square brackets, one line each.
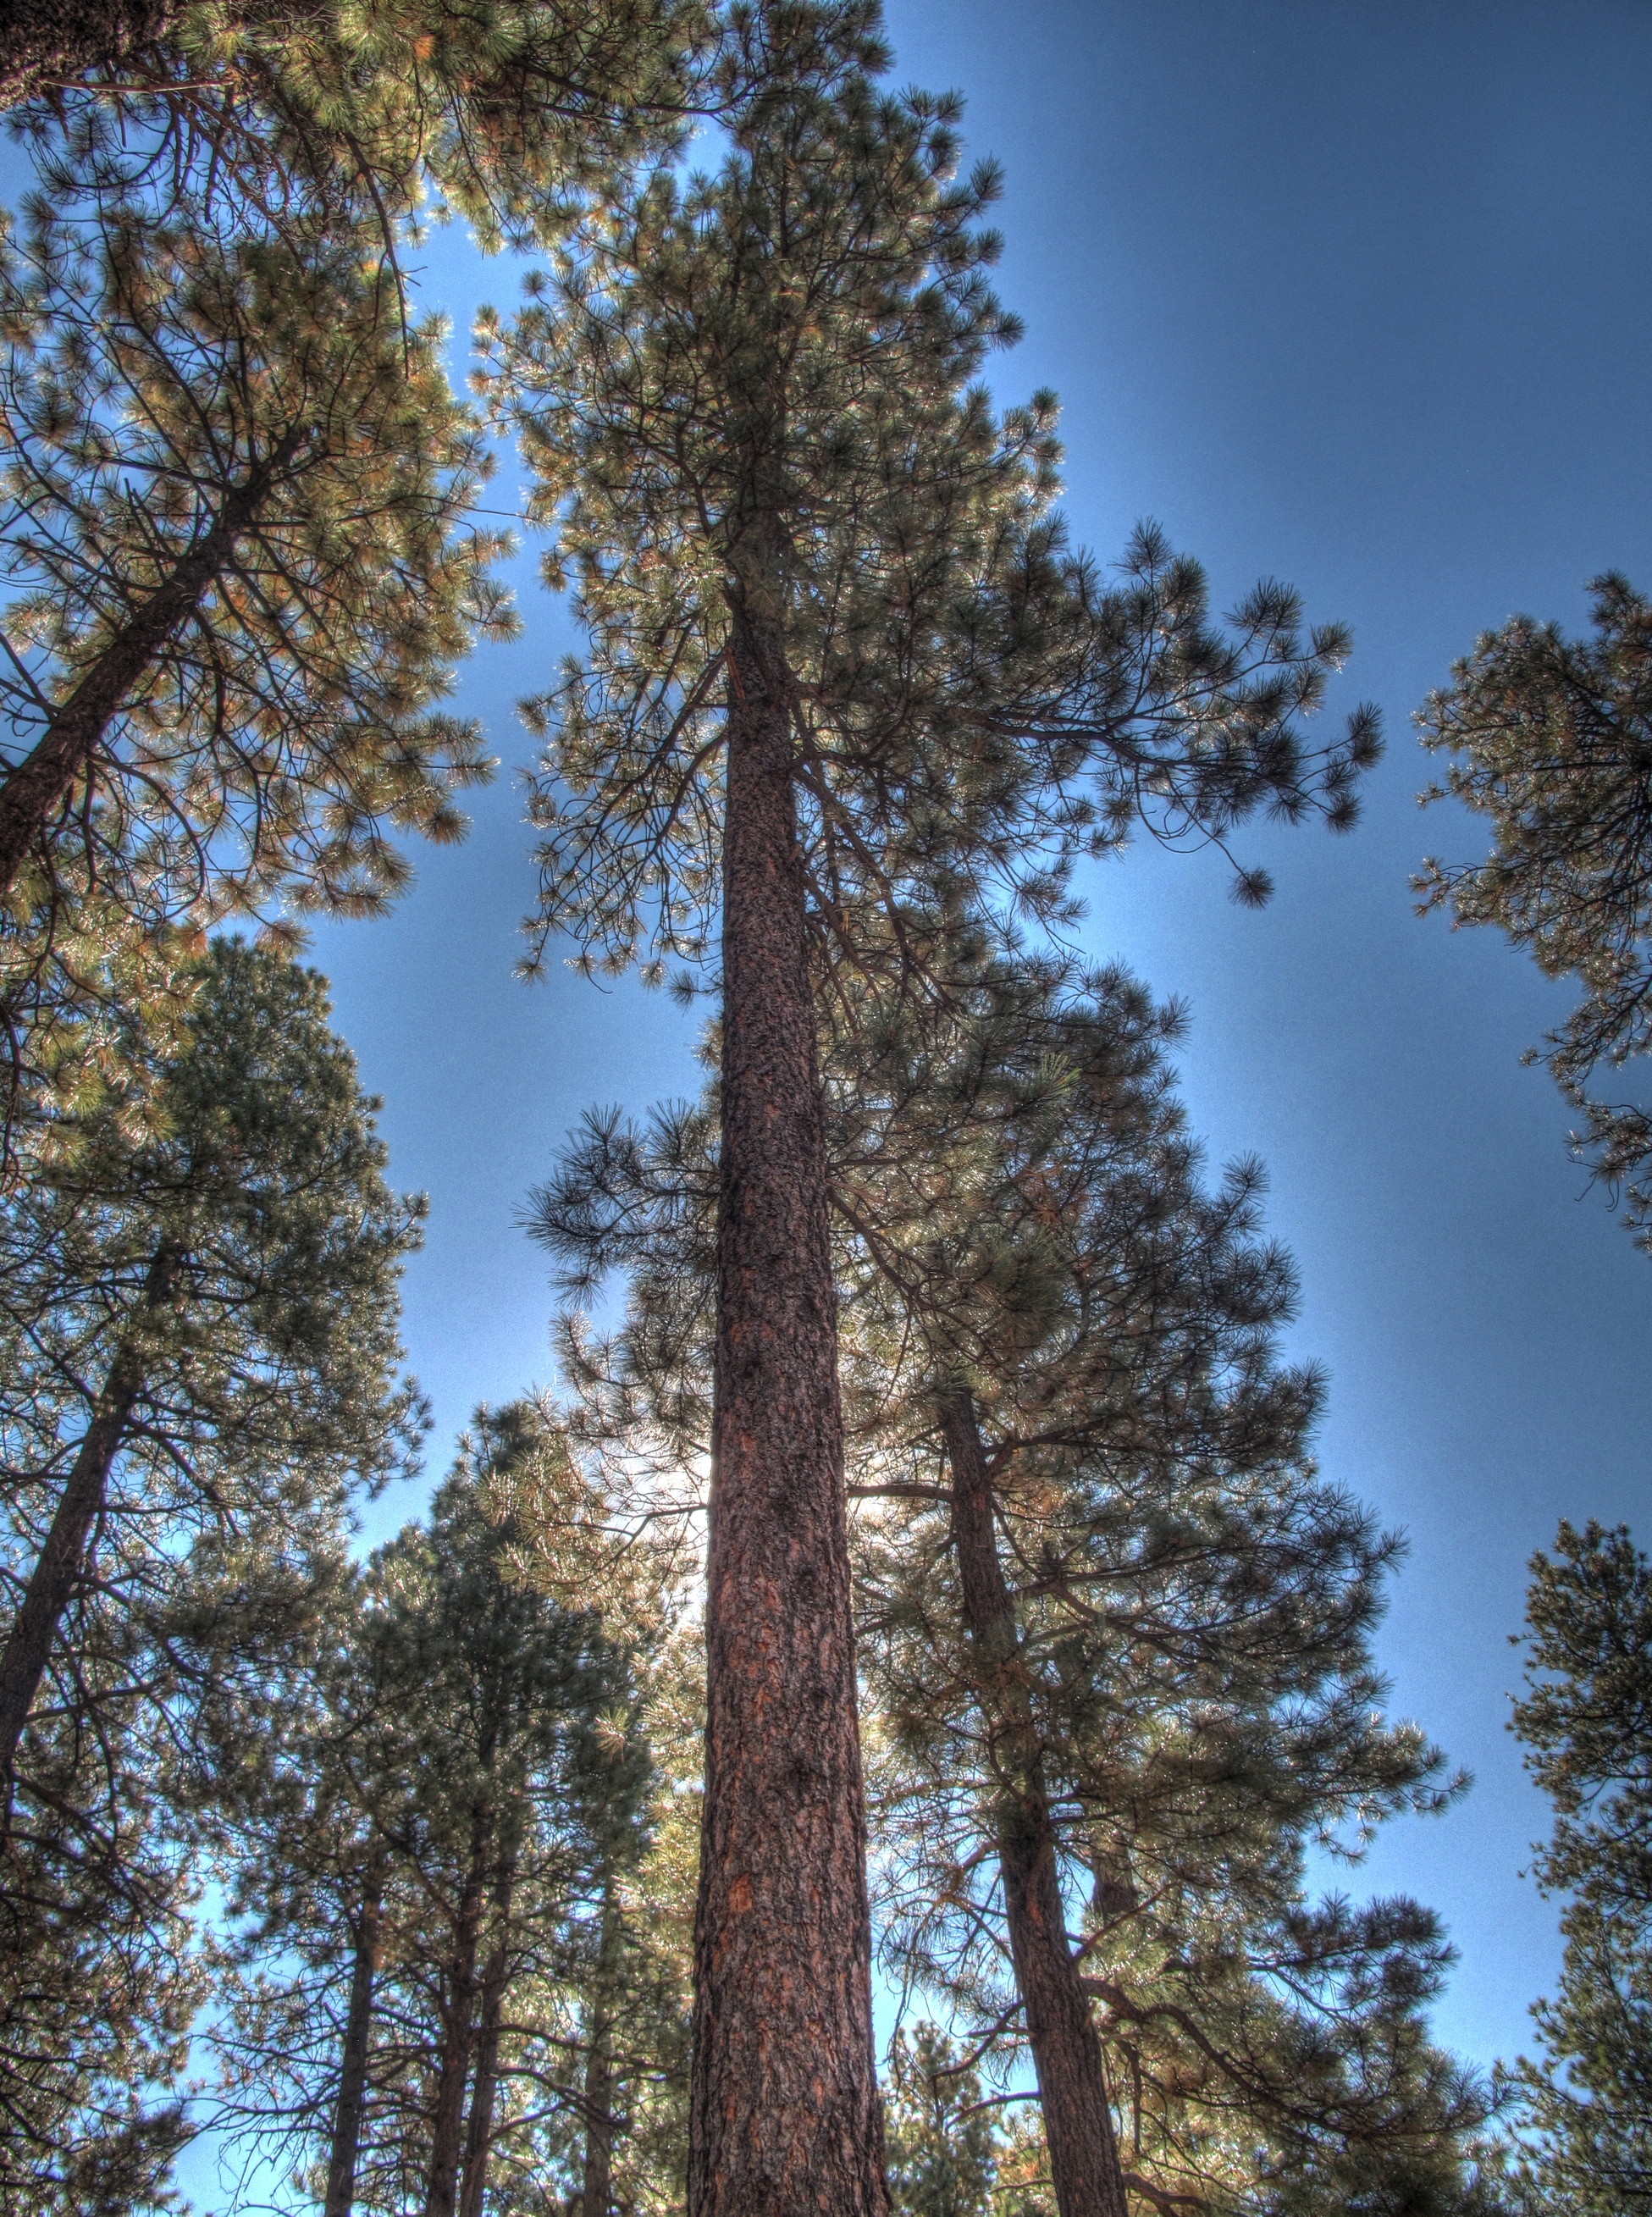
[1019, 1212]
[233, 518]
[940, 2133]
[1192, 1612]
[1551, 739]
[469, 1724]
[270, 1390]
[747, 398]
[1585, 1719]
[503, 113]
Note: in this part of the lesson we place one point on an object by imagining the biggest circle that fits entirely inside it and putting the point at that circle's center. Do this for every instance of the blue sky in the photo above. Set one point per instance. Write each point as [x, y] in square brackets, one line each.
[1357, 296]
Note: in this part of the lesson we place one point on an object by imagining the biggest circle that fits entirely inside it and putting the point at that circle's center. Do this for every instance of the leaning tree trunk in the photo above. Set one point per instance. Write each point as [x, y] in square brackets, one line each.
[353, 2063]
[35, 789]
[457, 2027]
[58, 1569]
[478, 2133]
[784, 2110]
[1072, 2091]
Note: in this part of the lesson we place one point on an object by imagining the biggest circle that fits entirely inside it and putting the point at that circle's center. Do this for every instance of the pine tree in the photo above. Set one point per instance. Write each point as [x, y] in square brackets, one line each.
[940, 2132]
[1549, 739]
[1039, 1288]
[200, 1353]
[433, 1860]
[844, 683]
[1124, 1632]
[1588, 2100]
[500, 108]
[234, 519]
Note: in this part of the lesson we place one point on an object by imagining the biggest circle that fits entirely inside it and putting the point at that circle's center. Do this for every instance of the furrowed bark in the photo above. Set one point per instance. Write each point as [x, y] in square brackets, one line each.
[783, 2111]
[52, 42]
[61, 1561]
[33, 792]
[1072, 2091]
[458, 2024]
[353, 2064]
[478, 2132]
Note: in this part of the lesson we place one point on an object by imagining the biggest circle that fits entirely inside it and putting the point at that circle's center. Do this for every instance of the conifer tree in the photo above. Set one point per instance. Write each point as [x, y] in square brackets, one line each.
[1588, 2100]
[234, 521]
[940, 2129]
[501, 107]
[432, 1857]
[1549, 738]
[841, 669]
[1157, 1674]
[199, 1326]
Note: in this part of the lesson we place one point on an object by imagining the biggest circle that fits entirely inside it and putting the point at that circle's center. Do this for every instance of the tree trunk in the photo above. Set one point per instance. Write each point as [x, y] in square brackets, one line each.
[353, 2065]
[1072, 2091]
[783, 2111]
[479, 2135]
[36, 789]
[51, 42]
[596, 2187]
[456, 2027]
[58, 1569]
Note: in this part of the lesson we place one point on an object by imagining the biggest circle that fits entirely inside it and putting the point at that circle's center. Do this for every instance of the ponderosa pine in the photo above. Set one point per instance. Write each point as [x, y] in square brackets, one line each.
[844, 683]
[1115, 1626]
[234, 518]
[1582, 1720]
[178, 1444]
[423, 1818]
[1551, 738]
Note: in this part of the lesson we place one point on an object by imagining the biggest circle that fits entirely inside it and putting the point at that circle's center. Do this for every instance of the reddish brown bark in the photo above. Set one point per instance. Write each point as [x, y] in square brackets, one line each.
[36, 789]
[784, 2113]
[353, 2062]
[1072, 2091]
[458, 2033]
[58, 1569]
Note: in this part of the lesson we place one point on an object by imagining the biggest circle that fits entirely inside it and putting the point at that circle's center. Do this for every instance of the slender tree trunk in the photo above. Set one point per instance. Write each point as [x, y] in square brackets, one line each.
[35, 789]
[783, 2111]
[1072, 2089]
[478, 2133]
[596, 2187]
[44, 43]
[353, 2065]
[58, 1569]
[457, 2027]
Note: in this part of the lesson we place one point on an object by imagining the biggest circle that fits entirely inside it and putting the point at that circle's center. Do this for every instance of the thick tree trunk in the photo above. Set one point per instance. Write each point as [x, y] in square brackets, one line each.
[478, 2132]
[353, 2064]
[784, 2113]
[58, 1569]
[1072, 2091]
[44, 43]
[458, 2029]
[33, 792]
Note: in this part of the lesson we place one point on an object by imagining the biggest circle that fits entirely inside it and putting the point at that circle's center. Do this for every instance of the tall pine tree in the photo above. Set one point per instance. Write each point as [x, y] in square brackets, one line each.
[843, 684]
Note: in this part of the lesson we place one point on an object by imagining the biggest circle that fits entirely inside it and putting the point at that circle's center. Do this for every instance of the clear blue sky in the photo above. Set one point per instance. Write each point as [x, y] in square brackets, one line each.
[1360, 296]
